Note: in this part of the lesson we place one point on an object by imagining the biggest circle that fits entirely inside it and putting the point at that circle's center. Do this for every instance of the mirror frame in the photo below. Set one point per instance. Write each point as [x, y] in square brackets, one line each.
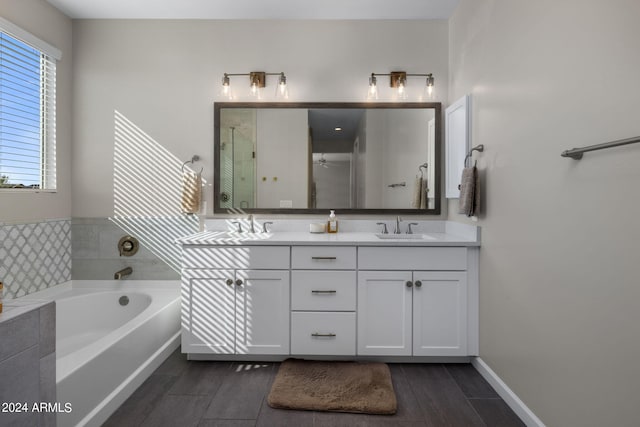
[436, 106]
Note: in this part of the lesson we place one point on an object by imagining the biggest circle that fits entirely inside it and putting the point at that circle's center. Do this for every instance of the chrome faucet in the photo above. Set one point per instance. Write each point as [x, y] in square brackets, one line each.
[239, 224]
[397, 230]
[251, 226]
[409, 230]
[264, 226]
[123, 273]
[384, 227]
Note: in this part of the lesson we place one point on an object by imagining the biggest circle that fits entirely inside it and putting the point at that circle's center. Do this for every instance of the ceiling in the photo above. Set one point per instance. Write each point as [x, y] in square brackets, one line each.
[256, 9]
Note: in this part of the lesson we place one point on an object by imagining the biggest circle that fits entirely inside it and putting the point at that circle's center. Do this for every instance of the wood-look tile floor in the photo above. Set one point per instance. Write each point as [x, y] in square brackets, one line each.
[183, 393]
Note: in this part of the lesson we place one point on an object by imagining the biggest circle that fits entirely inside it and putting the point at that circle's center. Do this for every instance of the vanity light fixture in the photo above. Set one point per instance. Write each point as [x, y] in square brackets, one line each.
[257, 81]
[398, 81]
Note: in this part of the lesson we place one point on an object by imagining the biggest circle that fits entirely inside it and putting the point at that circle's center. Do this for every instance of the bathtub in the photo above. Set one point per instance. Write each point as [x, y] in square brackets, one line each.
[110, 336]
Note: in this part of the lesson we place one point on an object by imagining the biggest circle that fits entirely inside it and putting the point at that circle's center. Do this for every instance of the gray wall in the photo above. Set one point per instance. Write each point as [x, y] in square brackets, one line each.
[559, 260]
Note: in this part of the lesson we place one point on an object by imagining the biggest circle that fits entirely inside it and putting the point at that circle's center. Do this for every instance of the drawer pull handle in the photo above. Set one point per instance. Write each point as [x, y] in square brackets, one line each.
[238, 282]
[324, 257]
[229, 282]
[418, 283]
[323, 292]
[316, 334]
[409, 284]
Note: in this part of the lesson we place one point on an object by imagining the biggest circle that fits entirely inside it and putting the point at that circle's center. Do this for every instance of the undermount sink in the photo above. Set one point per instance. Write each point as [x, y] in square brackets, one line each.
[404, 236]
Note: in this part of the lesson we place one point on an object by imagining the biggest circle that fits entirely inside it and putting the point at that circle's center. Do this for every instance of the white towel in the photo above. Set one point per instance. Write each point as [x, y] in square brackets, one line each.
[191, 192]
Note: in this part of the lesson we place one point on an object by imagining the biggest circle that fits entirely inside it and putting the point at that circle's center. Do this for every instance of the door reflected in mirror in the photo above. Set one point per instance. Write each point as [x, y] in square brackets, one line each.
[312, 157]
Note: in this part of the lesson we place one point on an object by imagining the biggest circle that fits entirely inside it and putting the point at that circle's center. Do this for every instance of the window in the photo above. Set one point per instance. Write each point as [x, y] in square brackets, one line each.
[27, 110]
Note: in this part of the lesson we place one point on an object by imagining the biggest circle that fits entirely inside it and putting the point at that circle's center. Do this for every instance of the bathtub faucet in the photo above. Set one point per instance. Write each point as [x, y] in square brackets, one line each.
[123, 273]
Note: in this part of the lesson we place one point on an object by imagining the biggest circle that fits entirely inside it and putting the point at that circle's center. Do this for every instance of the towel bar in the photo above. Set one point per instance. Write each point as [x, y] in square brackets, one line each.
[576, 153]
[479, 148]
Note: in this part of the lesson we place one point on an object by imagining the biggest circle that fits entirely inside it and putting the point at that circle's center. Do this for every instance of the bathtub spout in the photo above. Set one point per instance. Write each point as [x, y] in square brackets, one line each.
[123, 273]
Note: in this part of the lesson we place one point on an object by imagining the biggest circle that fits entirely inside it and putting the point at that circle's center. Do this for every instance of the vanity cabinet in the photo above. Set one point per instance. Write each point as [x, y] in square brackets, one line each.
[235, 311]
[323, 300]
[356, 299]
[406, 310]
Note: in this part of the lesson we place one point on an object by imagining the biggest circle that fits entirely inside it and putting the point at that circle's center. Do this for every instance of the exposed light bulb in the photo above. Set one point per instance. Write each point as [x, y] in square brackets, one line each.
[226, 87]
[402, 93]
[429, 86]
[281, 90]
[373, 88]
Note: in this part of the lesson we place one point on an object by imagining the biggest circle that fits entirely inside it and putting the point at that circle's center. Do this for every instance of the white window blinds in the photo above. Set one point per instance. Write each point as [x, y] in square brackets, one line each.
[27, 115]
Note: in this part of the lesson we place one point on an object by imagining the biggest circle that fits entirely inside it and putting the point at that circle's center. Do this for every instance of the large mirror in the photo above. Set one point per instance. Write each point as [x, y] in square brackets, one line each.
[312, 157]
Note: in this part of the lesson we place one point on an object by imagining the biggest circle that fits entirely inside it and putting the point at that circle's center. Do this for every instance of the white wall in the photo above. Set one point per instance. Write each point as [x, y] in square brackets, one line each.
[559, 259]
[47, 23]
[164, 77]
[404, 151]
[282, 134]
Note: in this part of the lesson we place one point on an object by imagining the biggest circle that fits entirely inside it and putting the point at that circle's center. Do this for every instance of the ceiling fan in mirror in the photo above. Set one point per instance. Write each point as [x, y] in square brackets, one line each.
[322, 161]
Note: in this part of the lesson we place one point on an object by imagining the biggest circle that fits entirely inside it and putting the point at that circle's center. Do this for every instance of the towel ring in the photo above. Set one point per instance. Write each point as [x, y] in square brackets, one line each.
[194, 159]
[422, 166]
[479, 148]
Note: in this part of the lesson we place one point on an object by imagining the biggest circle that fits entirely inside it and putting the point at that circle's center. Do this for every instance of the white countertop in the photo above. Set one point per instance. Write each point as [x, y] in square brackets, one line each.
[444, 233]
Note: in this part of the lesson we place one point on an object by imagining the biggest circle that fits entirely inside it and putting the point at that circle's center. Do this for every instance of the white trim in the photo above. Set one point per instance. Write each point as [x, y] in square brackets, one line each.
[25, 36]
[510, 398]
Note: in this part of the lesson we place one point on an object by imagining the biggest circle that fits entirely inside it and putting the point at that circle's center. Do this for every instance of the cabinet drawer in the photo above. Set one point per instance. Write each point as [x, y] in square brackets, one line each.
[323, 290]
[325, 333]
[237, 257]
[412, 258]
[323, 257]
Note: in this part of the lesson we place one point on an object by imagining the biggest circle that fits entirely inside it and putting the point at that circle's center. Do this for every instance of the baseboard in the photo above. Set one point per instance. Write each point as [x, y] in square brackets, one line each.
[510, 398]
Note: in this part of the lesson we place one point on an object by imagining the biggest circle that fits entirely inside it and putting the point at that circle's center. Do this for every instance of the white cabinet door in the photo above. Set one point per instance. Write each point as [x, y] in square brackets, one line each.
[262, 312]
[457, 135]
[208, 304]
[439, 313]
[384, 313]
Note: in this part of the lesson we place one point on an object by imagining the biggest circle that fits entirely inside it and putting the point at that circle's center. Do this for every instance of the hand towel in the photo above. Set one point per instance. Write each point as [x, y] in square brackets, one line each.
[417, 191]
[423, 194]
[469, 192]
[191, 192]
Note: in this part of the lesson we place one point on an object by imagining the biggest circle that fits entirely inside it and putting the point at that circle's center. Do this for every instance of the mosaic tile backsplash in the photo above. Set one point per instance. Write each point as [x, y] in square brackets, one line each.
[34, 256]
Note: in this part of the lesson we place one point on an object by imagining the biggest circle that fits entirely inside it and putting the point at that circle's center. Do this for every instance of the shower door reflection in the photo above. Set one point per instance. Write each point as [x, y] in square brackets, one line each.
[237, 158]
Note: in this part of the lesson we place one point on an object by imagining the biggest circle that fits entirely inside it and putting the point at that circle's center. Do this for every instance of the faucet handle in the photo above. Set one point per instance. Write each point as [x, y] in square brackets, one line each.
[264, 226]
[252, 228]
[409, 230]
[384, 227]
[239, 224]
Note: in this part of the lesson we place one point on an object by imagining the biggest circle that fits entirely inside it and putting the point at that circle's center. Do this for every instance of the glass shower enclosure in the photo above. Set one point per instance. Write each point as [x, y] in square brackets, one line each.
[238, 158]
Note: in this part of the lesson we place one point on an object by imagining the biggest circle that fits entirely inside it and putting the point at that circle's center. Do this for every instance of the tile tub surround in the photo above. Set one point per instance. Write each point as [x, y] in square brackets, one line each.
[28, 360]
[34, 256]
[95, 253]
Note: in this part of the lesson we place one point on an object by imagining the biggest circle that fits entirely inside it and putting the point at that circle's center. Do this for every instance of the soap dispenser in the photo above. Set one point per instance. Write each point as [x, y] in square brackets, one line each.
[332, 224]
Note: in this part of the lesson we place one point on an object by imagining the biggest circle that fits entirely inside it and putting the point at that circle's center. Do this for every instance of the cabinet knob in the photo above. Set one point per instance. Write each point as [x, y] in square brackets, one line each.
[418, 283]
[238, 282]
[229, 282]
[409, 284]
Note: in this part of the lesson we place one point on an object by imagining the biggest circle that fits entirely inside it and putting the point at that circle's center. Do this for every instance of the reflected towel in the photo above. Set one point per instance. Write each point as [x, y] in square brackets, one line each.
[417, 191]
[423, 194]
[469, 192]
[191, 192]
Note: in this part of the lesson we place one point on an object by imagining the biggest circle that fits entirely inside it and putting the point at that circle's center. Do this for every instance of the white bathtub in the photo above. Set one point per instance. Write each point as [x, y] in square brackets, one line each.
[105, 350]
